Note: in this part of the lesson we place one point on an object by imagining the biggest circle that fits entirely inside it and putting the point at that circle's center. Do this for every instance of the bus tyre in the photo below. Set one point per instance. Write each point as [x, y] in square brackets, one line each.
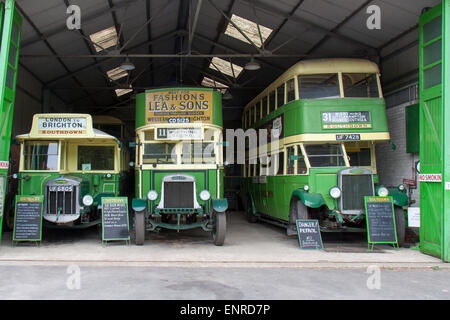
[297, 211]
[220, 228]
[249, 212]
[400, 224]
[139, 228]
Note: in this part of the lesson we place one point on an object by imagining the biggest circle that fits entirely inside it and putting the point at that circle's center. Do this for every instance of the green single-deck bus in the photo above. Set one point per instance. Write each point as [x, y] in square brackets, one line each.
[179, 166]
[328, 115]
[73, 166]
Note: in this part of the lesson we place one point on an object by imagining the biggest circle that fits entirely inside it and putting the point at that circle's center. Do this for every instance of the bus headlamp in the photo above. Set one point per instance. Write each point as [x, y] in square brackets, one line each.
[402, 187]
[152, 195]
[205, 195]
[335, 192]
[88, 200]
[383, 192]
[306, 187]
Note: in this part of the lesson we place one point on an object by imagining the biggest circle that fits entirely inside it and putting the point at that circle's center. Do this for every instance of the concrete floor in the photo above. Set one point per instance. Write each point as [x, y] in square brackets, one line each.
[246, 244]
[258, 261]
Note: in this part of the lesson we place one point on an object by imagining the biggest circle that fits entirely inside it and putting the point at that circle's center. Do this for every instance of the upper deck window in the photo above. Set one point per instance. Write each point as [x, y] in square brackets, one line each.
[97, 158]
[290, 90]
[280, 96]
[41, 155]
[325, 155]
[318, 86]
[360, 85]
[159, 153]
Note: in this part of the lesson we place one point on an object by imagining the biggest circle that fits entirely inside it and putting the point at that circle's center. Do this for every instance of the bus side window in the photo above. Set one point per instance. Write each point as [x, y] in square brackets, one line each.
[258, 111]
[272, 102]
[290, 160]
[264, 106]
[251, 113]
[290, 91]
[280, 96]
[301, 164]
[280, 164]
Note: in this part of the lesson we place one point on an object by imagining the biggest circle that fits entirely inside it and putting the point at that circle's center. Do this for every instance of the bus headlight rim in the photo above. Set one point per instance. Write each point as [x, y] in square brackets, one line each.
[88, 200]
[205, 195]
[383, 192]
[402, 187]
[335, 193]
[152, 195]
[306, 187]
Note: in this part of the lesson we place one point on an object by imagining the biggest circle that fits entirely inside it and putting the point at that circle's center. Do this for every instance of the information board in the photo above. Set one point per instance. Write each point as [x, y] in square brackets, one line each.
[309, 236]
[28, 218]
[115, 225]
[380, 220]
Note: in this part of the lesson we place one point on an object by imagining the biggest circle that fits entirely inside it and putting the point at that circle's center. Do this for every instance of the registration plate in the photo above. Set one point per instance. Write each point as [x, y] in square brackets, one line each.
[348, 137]
[60, 188]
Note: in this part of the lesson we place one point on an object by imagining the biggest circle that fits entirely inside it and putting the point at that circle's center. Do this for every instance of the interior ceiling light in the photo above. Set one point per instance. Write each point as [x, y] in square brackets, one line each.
[250, 29]
[127, 65]
[252, 65]
[104, 39]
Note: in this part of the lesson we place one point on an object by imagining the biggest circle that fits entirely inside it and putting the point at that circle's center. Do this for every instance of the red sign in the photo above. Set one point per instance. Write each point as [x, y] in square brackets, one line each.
[4, 164]
[409, 182]
[430, 177]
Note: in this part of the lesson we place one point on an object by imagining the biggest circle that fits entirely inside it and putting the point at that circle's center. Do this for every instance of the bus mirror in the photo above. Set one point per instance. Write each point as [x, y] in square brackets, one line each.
[293, 158]
[132, 144]
[225, 143]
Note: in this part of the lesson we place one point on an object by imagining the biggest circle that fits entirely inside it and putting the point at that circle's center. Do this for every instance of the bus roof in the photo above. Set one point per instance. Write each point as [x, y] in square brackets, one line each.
[321, 66]
[63, 126]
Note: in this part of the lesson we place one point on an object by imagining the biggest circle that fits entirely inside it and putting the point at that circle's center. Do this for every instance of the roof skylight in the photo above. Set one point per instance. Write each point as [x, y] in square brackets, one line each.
[250, 29]
[210, 83]
[116, 73]
[226, 67]
[104, 39]
[121, 92]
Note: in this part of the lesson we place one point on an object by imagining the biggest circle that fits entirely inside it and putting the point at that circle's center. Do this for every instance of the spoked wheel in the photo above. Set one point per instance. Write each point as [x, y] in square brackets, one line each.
[400, 224]
[249, 212]
[139, 228]
[220, 228]
[297, 211]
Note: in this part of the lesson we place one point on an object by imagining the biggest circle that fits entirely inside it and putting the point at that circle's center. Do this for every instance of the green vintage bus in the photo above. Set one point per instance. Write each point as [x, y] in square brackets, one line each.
[328, 115]
[73, 165]
[179, 167]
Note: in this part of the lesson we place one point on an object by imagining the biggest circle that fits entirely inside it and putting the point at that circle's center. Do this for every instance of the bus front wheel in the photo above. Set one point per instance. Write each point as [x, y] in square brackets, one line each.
[139, 228]
[220, 228]
[297, 211]
[400, 224]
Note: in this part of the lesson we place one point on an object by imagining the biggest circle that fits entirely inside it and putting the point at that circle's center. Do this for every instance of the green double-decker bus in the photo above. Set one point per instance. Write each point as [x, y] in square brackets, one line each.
[179, 167]
[323, 118]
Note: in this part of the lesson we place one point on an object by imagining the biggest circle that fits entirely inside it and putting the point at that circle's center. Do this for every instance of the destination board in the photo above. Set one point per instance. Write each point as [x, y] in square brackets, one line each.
[115, 225]
[28, 218]
[380, 220]
[309, 236]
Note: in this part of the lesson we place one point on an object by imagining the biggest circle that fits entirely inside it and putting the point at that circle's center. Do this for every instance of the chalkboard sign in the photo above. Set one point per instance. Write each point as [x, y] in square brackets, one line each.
[309, 234]
[380, 220]
[115, 219]
[28, 218]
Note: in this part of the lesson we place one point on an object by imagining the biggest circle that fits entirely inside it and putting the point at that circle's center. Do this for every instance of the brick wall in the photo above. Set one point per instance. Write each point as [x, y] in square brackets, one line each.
[396, 165]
